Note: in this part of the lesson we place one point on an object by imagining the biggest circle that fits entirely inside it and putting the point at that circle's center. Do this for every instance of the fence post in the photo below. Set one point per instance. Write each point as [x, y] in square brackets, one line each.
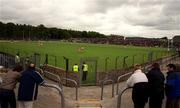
[1, 58]
[55, 60]
[156, 55]
[143, 58]
[67, 67]
[102, 90]
[124, 61]
[35, 59]
[116, 62]
[106, 60]
[46, 60]
[133, 59]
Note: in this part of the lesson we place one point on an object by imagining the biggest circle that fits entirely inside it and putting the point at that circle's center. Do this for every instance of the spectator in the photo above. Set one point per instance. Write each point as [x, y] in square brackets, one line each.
[7, 95]
[172, 87]
[75, 68]
[156, 86]
[85, 71]
[28, 88]
[1, 67]
[17, 59]
[139, 82]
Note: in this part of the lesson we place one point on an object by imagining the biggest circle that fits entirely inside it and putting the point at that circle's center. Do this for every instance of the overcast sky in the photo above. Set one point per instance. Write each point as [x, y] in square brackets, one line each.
[149, 18]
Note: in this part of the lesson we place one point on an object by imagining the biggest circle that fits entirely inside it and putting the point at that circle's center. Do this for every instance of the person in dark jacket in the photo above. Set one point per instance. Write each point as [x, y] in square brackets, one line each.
[172, 87]
[28, 88]
[156, 86]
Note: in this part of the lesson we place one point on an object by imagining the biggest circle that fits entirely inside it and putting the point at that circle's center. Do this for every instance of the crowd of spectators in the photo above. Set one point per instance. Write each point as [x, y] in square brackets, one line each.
[120, 40]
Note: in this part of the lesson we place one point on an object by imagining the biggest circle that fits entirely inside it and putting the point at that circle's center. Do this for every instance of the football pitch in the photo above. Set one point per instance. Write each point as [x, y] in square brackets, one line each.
[57, 50]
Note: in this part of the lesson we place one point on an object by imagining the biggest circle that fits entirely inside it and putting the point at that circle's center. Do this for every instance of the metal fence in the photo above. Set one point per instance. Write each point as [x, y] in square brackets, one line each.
[54, 77]
[7, 60]
[104, 64]
[60, 81]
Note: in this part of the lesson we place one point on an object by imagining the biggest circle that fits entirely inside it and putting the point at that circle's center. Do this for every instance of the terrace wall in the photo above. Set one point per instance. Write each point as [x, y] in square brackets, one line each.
[62, 74]
[76, 76]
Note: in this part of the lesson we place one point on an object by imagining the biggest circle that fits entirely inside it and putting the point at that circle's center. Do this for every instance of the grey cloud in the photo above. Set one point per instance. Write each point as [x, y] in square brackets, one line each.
[149, 3]
[107, 16]
[29, 12]
[172, 7]
[168, 27]
[165, 16]
[160, 23]
[171, 11]
[102, 6]
[149, 22]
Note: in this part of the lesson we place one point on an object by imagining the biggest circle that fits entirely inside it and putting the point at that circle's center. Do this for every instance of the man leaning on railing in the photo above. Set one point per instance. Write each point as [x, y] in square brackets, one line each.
[139, 82]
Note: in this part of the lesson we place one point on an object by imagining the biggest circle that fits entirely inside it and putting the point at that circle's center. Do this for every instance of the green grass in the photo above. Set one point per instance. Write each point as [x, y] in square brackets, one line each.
[70, 50]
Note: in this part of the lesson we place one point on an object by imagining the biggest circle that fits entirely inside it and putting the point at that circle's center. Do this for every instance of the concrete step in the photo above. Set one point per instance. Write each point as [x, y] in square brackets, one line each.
[89, 103]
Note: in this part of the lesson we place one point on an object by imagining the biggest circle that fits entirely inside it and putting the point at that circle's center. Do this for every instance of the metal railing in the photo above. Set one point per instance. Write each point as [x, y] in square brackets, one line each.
[120, 96]
[60, 81]
[56, 76]
[102, 87]
[39, 70]
[119, 78]
[75, 83]
[59, 90]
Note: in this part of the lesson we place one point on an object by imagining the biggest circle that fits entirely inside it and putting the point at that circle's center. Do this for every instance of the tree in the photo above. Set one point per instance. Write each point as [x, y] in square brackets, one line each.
[29, 32]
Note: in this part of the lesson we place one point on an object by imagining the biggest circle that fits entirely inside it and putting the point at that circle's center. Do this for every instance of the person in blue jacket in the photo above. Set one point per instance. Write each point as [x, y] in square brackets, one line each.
[28, 88]
[172, 87]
